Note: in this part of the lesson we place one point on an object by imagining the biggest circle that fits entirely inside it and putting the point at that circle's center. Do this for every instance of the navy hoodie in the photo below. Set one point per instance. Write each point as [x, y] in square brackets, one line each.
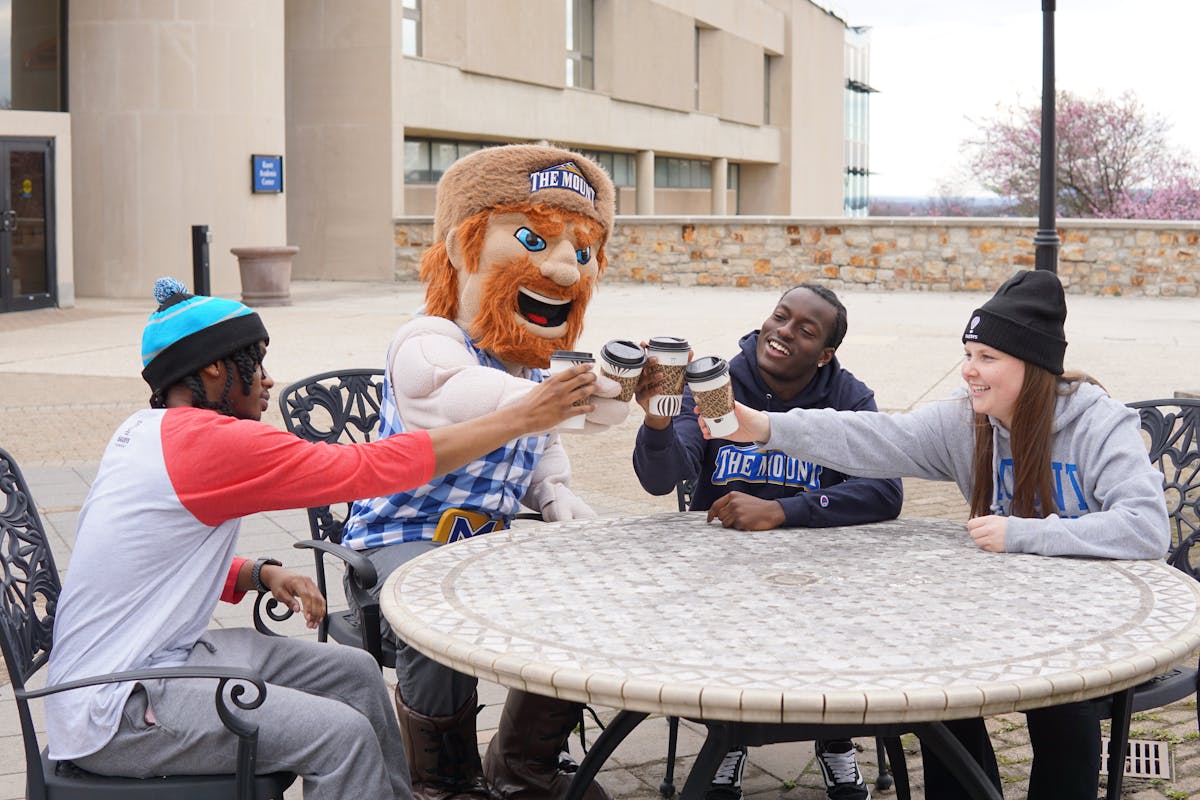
[812, 496]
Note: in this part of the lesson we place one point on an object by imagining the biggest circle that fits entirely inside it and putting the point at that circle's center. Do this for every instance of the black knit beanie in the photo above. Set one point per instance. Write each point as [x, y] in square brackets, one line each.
[1025, 319]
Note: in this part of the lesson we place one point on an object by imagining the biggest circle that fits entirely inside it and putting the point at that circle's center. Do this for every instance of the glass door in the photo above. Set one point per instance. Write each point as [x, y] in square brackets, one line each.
[27, 259]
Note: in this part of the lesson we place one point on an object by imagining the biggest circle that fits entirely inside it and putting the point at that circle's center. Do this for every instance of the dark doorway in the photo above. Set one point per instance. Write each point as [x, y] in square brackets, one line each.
[27, 258]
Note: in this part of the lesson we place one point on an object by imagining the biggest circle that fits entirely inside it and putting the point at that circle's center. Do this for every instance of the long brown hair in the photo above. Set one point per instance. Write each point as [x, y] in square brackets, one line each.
[1032, 442]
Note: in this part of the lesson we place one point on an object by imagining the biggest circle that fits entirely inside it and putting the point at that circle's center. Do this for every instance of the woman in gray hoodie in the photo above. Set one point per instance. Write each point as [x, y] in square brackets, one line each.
[1050, 465]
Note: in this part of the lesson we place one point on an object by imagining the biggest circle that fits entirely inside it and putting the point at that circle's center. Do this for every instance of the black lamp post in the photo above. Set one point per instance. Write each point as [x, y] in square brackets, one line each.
[1046, 241]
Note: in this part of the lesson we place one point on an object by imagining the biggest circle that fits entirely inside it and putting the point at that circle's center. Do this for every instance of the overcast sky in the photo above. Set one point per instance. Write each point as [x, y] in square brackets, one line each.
[939, 64]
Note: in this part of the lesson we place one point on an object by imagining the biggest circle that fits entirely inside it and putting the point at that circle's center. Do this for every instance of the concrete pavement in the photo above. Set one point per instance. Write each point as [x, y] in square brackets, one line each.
[71, 375]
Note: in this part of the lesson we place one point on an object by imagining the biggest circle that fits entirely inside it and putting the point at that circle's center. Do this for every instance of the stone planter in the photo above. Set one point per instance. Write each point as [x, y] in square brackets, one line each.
[266, 274]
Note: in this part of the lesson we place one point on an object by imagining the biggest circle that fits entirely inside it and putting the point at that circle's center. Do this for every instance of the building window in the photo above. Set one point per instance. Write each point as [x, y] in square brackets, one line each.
[734, 175]
[621, 167]
[682, 173]
[410, 28]
[426, 159]
[32, 43]
[441, 156]
[581, 44]
[766, 89]
[696, 71]
[856, 195]
[416, 161]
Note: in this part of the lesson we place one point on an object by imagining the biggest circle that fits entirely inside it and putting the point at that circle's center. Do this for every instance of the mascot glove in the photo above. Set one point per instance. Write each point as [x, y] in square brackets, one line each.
[609, 410]
[562, 504]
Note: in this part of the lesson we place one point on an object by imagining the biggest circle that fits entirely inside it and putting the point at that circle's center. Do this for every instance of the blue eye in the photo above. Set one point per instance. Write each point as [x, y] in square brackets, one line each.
[583, 256]
[533, 243]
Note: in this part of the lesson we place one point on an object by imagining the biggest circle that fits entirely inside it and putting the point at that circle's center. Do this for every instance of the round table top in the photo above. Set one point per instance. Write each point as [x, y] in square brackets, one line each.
[897, 621]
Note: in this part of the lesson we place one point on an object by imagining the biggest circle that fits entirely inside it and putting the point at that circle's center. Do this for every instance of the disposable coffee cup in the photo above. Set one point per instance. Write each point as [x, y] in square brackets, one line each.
[622, 361]
[708, 378]
[672, 355]
[565, 359]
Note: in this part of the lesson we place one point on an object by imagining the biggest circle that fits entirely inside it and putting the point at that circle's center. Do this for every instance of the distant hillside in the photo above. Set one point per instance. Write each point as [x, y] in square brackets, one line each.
[900, 206]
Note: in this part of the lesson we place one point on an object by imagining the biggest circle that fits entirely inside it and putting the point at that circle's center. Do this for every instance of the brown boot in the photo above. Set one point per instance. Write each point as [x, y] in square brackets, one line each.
[521, 762]
[443, 753]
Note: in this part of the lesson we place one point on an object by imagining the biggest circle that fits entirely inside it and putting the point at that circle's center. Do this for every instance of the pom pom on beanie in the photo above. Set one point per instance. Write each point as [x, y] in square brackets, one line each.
[188, 332]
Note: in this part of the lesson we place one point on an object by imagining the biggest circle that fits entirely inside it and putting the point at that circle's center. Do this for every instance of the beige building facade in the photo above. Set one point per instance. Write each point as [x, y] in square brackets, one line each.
[694, 106]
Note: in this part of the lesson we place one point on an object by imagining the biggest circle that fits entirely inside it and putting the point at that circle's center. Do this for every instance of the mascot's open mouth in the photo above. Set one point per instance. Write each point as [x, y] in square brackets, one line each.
[546, 312]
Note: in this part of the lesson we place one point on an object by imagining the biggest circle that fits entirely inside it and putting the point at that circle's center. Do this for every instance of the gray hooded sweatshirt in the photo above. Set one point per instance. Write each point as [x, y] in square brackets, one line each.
[1109, 495]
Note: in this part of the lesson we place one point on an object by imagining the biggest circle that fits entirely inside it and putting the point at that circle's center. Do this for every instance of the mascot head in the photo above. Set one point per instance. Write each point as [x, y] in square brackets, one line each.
[519, 238]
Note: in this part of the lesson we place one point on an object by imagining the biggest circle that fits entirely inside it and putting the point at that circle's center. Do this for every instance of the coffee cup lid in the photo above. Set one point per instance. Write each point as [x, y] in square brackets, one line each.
[571, 355]
[623, 353]
[706, 368]
[671, 343]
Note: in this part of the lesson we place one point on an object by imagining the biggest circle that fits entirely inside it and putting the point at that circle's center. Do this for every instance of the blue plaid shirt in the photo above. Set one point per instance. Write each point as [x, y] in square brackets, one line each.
[492, 485]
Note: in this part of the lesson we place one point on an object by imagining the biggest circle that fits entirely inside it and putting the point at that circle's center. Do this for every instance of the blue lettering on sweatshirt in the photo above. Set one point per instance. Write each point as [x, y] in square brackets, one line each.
[752, 465]
[1069, 507]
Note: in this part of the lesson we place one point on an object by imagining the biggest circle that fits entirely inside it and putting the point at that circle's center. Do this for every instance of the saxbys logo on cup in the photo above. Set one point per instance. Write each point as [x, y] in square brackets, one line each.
[708, 378]
[622, 361]
[565, 359]
[672, 354]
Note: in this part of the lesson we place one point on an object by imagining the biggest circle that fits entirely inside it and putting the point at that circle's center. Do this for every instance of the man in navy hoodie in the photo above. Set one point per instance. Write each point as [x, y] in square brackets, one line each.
[789, 363]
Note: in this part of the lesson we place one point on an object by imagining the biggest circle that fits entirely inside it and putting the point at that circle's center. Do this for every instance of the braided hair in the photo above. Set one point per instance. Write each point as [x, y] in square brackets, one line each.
[244, 361]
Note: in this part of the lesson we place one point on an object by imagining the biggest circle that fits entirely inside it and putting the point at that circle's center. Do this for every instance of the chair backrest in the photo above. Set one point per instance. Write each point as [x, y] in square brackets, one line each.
[31, 587]
[1172, 428]
[683, 494]
[333, 407]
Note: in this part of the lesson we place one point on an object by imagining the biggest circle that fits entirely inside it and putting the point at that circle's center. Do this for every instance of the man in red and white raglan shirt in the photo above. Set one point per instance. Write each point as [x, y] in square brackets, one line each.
[154, 551]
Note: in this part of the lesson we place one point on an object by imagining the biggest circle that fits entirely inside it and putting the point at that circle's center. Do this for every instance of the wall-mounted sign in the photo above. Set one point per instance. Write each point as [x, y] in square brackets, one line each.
[266, 173]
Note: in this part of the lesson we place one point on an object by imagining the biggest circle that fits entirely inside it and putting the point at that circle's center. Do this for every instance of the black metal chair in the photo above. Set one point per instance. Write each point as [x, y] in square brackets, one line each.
[1172, 431]
[335, 407]
[31, 588]
[883, 780]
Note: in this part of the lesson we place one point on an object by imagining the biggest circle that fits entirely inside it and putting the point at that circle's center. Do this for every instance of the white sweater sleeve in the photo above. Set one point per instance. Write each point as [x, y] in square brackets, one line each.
[437, 381]
[1125, 515]
[925, 443]
[1131, 520]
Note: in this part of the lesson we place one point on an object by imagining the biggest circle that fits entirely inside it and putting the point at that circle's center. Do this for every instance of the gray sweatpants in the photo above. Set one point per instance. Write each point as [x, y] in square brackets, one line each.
[426, 686]
[327, 717]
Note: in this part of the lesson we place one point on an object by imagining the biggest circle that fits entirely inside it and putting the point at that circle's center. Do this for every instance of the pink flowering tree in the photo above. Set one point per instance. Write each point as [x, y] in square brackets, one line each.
[1113, 160]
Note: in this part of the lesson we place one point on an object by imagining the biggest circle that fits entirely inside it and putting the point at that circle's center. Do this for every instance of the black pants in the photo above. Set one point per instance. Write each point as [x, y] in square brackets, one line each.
[1070, 732]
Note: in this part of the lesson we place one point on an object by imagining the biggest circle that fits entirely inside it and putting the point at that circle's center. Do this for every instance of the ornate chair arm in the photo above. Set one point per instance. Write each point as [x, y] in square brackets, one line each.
[247, 733]
[363, 577]
[228, 673]
[267, 607]
[222, 675]
[362, 571]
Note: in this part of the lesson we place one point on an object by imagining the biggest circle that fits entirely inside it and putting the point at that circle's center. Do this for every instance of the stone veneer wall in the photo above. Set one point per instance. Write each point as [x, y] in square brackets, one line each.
[934, 254]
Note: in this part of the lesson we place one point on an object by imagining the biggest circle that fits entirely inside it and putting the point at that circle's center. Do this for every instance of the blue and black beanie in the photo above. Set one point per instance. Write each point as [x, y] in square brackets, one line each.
[189, 332]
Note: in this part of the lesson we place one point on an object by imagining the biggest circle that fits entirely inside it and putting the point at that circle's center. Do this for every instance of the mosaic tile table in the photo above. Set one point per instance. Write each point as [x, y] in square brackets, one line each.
[897, 622]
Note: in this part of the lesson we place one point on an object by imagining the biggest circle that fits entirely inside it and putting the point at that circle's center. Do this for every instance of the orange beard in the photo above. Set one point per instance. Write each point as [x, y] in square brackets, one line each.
[497, 323]
[500, 328]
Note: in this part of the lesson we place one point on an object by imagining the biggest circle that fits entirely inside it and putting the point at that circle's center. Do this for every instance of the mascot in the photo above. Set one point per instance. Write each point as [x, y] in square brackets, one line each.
[519, 238]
